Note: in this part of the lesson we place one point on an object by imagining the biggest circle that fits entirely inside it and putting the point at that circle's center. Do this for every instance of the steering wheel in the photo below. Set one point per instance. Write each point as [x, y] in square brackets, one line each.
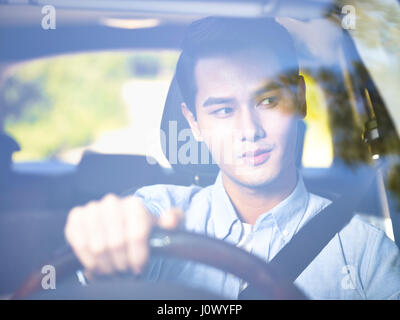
[182, 245]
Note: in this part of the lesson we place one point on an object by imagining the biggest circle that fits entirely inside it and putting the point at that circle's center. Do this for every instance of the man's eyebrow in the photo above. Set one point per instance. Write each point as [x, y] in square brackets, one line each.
[268, 86]
[214, 100]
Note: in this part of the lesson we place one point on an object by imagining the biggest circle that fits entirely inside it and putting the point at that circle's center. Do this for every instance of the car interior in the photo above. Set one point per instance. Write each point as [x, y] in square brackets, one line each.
[36, 196]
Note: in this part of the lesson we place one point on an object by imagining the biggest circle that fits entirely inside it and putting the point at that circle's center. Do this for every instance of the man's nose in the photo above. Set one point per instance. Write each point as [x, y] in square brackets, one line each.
[250, 126]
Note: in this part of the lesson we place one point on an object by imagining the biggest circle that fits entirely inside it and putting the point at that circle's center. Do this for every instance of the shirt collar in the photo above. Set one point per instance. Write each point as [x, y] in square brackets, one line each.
[222, 211]
[287, 215]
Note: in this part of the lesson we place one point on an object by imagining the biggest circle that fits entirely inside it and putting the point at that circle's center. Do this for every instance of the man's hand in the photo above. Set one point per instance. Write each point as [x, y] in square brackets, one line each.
[112, 234]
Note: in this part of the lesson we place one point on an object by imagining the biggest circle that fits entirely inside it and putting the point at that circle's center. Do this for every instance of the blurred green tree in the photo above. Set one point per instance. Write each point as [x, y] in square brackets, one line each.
[64, 102]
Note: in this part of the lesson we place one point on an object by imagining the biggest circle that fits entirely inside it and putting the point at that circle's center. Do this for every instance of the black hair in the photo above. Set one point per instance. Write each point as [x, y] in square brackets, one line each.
[223, 36]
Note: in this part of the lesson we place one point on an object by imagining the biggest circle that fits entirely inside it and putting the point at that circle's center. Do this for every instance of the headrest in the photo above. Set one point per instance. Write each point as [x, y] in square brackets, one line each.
[178, 137]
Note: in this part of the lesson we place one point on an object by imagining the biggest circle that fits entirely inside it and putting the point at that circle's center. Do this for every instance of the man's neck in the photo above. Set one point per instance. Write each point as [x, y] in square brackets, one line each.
[251, 202]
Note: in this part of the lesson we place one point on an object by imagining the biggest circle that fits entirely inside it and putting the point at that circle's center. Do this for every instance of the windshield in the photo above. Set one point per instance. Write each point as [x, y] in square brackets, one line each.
[253, 125]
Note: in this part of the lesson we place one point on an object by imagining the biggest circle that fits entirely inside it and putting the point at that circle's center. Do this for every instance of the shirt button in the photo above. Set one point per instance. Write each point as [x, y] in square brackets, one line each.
[285, 233]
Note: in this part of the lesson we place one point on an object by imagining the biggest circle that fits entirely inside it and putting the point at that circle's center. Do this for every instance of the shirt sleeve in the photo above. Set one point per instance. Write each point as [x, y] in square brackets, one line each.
[383, 271]
[159, 198]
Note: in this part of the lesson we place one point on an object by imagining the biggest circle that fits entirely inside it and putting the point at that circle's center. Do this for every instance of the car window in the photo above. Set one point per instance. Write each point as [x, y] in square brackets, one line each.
[57, 108]
[96, 110]
[112, 102]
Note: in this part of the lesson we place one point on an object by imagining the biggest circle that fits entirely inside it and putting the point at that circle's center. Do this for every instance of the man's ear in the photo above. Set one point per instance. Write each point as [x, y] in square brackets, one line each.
[301, 97]
[191, 121]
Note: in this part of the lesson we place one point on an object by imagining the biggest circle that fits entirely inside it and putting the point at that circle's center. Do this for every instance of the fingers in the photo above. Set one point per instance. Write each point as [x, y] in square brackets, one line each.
[97, 243]
[77, 237]
[171, 218]
[112, 234]
[96, 234]
[138, 227]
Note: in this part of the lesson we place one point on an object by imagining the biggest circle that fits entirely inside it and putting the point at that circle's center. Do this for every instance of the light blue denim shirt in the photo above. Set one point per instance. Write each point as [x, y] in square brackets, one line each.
[360, 262]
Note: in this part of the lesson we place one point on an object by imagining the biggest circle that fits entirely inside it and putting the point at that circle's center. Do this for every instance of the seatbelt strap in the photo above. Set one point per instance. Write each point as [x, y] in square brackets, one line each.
[306, 244]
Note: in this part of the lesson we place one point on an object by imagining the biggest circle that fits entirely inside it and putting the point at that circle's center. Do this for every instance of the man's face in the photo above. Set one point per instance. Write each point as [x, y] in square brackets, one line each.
[245, 115]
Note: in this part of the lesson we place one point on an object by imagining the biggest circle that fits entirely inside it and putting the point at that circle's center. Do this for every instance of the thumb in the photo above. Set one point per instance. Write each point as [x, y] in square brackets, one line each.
[170, 219]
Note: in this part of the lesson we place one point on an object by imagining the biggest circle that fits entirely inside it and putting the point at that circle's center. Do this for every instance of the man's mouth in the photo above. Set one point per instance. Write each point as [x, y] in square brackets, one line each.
[256, 157]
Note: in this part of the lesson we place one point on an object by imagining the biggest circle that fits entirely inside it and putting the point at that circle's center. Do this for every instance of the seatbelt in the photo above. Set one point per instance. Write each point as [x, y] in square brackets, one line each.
[306, 244]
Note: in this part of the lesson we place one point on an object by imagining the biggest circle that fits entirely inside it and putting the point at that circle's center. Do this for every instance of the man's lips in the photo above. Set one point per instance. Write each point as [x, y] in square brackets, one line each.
[257, 156]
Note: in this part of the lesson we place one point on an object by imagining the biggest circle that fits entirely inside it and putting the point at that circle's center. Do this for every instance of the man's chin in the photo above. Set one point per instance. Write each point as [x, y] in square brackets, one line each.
[253, 177]
[255, 183]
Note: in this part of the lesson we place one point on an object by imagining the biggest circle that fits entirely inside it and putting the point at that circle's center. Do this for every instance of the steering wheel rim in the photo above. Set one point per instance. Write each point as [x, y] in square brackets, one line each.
[189, 246]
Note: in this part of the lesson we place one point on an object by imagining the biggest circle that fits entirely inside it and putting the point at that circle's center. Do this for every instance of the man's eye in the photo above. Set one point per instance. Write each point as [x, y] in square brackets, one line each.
[267, 102]
[222, 111]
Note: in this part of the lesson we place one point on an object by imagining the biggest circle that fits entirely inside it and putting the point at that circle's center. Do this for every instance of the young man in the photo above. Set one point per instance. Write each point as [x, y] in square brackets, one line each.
[243, 96]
